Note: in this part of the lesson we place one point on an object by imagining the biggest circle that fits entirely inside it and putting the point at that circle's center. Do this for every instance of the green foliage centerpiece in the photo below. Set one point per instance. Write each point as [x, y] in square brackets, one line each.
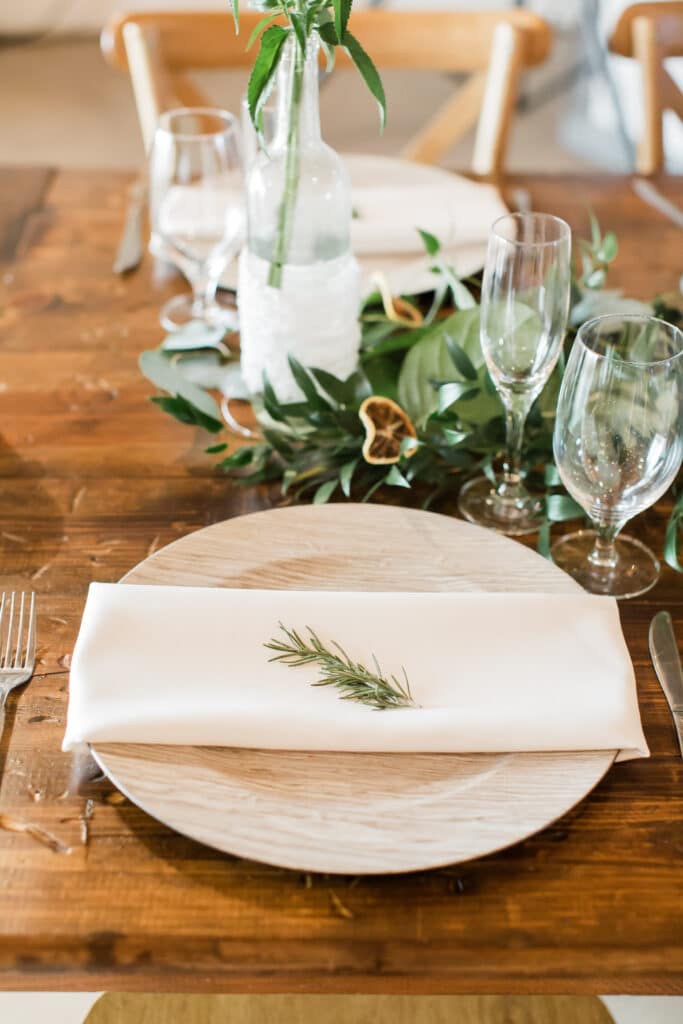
[419, 414]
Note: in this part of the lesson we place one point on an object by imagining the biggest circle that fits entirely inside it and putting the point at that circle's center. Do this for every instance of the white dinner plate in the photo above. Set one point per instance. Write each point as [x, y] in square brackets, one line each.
[348, 812]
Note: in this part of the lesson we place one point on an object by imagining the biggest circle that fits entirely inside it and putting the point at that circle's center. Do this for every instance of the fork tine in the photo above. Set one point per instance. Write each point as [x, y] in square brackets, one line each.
[20, 631]
[7, 653]
[31, 635]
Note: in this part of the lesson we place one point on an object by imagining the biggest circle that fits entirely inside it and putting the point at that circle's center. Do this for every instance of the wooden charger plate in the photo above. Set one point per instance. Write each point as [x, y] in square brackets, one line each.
[349, 812]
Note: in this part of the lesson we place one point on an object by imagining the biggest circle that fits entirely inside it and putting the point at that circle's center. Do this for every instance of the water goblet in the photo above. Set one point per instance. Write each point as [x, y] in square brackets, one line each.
[524, 309]
[197, 208]
[618, 444]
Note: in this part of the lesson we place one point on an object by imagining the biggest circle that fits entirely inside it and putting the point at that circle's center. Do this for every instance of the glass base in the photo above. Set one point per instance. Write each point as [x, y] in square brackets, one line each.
[479, 503]
[636, 570]
[177, 313]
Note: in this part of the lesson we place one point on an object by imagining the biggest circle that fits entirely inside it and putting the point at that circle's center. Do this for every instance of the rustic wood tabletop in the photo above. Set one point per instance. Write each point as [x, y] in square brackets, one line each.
[95, 894]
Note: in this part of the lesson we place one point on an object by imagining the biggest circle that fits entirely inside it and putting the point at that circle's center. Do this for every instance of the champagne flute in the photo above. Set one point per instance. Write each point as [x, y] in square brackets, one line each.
[524, 309]
[618, 444]
[197, 208]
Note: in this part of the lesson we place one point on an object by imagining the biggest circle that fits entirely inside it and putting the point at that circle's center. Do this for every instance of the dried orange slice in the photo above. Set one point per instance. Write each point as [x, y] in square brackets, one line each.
[386, 426]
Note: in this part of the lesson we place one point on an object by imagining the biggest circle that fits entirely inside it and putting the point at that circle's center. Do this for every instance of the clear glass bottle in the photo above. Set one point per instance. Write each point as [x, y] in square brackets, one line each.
[299, 283]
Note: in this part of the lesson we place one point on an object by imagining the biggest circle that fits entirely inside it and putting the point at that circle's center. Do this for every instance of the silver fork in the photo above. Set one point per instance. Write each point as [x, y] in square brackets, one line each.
[17, 644]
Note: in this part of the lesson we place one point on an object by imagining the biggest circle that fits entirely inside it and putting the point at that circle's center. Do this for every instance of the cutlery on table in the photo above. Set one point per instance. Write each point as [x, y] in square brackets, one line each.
[667, 663]
[17, 644]
[651, 195]
[132, 245]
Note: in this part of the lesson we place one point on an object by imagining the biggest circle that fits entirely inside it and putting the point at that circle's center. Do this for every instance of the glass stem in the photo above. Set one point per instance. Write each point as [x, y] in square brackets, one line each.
[291, 186]
[203, 292]
[515, 418]
[604, 554]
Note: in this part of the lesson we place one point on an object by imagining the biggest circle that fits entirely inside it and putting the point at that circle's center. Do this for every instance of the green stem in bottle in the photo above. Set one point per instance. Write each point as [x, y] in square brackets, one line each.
[288, 203]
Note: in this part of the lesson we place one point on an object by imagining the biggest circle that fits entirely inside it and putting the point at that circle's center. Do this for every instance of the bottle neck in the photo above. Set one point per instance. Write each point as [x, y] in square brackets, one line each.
[297, 95]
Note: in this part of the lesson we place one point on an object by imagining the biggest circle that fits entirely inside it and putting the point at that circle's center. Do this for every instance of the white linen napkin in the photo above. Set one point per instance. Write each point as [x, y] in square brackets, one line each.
[491, 672]
[386, 217]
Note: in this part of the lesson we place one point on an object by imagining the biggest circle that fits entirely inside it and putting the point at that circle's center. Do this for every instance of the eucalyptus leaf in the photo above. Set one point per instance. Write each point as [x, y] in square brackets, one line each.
[164, 375]
[560, 507]
[395, 478]
[346, 476]
[431, 242]
[324, 492]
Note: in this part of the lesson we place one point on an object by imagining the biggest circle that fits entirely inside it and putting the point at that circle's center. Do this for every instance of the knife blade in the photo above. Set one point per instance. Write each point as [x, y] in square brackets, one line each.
[667, 663]
[132, 245]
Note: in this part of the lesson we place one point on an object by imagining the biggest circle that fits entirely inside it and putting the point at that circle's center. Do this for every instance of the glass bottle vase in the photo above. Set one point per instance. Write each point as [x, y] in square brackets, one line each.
[299, 283]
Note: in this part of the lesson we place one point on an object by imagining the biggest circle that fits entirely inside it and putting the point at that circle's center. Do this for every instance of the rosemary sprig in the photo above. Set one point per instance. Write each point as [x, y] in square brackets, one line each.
[351, 678]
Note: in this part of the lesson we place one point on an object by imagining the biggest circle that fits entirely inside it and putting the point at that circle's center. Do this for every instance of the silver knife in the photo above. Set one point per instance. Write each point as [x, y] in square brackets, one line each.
[651, 195]
[132, 245]
[667, 663]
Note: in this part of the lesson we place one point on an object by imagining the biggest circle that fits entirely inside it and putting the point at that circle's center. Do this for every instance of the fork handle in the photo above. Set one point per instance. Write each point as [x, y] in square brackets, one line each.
[3, 701]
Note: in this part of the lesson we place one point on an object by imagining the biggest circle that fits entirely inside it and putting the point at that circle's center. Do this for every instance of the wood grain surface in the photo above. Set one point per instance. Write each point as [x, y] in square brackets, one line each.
[98, 895]
[115, 1008]
[342, 812]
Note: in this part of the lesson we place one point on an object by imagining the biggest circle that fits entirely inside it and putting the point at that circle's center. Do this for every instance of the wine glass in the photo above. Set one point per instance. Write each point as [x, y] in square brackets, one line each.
[524, 309]
[618, 444]
[197, 208]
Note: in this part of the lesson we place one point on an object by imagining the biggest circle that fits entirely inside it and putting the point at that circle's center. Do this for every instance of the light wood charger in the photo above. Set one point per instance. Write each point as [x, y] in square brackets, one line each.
[348, 812]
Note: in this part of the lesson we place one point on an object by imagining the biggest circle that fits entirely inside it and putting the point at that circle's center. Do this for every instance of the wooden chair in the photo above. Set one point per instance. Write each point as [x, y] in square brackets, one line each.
[494, 47]
[652, 32]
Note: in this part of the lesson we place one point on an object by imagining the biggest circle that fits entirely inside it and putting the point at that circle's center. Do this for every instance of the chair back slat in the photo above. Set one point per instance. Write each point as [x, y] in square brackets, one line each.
[492, 46]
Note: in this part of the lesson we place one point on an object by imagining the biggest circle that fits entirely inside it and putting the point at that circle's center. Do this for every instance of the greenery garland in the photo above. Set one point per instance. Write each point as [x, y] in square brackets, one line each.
[433, 370]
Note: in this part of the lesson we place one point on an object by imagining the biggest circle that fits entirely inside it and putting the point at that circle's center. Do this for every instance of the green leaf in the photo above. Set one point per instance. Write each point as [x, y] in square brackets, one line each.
[183, 411]
[237, 459]
[455, 436]
[596, 278]
[395, 478]
[341, 391]
[672, 538]
[596, 234]
[460, 359]
[272, 41]
[609, 248]
[258, 28]
[214, 449]
[299, 30]
[456, 391]
[543, 545]
[325, 492]
[307, 385]
[342, 11]
[346, 476]
[166, 376]
[271, 403]
[429, 360]
[431, 242]
[368, 72]
[235, 6]
[560, 507]
[551, 476]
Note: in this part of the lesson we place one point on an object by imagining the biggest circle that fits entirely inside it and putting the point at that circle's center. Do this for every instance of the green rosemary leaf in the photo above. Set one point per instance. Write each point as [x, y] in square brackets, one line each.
[352, 679]
[431, 242]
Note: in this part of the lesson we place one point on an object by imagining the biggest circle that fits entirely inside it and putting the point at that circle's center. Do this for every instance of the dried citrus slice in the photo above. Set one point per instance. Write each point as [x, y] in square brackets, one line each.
[386, 426]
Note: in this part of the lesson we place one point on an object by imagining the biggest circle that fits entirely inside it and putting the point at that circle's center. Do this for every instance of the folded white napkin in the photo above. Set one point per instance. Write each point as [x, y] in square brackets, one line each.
[386, 217]
[491, 672]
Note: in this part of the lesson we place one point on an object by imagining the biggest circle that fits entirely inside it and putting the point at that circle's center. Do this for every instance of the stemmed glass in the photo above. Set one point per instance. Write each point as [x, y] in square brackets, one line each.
[197, 207]
[618, 444]
[524, 309]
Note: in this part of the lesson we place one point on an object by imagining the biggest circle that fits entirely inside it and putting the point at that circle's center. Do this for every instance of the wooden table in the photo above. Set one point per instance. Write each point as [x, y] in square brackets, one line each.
[94, 894]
